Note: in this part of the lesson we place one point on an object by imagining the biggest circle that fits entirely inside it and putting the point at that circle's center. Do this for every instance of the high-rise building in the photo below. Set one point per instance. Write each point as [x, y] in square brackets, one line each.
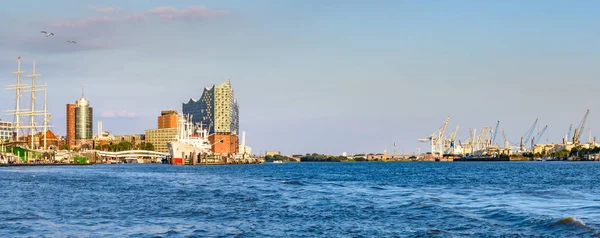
[71, 124]
[167, 119]
[6, 131]
[83, 120]
[217, 109]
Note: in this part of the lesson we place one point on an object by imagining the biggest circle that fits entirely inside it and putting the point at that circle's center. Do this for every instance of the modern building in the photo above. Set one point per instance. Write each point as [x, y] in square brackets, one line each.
[217, 109]
[159, 138]
[83, 122]
[71, 124]
[167, 119]
[6, 131]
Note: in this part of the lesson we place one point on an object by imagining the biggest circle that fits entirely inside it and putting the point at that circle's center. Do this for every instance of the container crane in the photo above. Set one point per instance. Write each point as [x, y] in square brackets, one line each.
[437, 139]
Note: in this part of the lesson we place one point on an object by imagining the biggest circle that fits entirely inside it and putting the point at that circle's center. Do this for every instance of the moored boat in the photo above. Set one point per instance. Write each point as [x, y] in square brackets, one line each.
[190, 143]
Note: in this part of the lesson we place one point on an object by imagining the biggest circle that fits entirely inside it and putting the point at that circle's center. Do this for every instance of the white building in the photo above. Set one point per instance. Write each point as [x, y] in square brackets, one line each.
[6, 130]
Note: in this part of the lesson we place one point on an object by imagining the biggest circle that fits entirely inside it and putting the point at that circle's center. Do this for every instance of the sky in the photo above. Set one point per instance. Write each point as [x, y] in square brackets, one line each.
[316, 76]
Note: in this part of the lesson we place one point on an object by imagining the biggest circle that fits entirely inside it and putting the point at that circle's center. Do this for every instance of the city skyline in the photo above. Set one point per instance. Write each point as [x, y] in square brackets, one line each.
[341, 76]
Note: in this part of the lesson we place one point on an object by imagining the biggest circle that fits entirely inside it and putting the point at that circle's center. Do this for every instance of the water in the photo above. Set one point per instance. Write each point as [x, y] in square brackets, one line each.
[303, 200]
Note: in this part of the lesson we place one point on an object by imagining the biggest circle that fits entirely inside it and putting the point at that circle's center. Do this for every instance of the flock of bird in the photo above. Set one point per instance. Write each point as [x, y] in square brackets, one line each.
[52, 34]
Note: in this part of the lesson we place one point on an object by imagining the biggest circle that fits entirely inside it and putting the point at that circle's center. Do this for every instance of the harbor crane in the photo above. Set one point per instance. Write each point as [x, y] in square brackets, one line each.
[527, 135]
[437, 139]
[506, 143]
[495, 133]
[537, 140]
[570, 133]
[452, 142]
[579, 129]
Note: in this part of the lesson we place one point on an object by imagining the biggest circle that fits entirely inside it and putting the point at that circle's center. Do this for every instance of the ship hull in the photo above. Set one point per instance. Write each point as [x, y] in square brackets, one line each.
[182, 152]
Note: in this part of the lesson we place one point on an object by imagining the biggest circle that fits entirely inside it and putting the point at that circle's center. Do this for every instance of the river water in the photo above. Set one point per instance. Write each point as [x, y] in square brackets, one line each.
[491, 199]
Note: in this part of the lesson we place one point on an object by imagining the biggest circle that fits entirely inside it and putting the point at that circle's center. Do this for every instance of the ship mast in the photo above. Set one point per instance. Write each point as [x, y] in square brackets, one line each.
[16, 126]
[32, 115]
[46, 116]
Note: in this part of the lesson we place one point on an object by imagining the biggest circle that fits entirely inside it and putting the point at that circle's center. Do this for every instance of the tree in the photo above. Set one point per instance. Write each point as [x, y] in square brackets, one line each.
[65, 147]
[147, 146]
[271, 158]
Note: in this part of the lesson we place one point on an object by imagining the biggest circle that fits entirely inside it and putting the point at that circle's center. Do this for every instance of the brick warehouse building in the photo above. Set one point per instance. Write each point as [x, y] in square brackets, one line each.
[229, 144]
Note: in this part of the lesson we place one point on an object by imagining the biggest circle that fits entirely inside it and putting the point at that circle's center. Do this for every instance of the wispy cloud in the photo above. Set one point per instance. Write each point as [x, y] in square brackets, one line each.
[105, 28]
[119, 114]
[189, 13]
[136, 16]
[85, 22]
[106, 9]
[165, 12]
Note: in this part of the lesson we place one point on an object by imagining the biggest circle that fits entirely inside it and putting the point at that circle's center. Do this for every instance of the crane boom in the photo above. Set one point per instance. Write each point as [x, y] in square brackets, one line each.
[453, 135]
[444, 128]
[582, 124]
[506, 145]
[537, 140]
[495, 133]
[530, 132]
[570, 131]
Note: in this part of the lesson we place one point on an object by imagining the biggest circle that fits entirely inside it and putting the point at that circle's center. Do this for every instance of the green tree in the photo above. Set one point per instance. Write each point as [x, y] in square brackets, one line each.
[65, 147]
[147, 146]
[271, 158]
[360, 159]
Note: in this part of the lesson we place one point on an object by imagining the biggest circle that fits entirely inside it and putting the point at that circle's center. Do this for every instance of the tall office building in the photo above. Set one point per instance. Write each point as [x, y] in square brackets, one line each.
[83, 120]
[71, 124]
[217, 109]
[167, 119]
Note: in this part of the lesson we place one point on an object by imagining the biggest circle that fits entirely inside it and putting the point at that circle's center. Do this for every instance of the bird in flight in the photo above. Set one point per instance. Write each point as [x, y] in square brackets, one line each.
[71, 42]
[47, 33]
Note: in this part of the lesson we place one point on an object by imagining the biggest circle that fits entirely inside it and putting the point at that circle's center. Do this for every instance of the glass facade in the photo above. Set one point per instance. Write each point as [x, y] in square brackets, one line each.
[217, 109]
[83, 121]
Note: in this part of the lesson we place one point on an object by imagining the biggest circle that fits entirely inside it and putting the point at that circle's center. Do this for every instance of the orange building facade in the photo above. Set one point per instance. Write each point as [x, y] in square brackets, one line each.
[228, 145]
[71, 124]
[167, 119]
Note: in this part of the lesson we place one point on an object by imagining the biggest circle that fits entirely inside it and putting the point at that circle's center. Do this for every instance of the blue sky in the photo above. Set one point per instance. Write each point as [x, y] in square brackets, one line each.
[317, 76]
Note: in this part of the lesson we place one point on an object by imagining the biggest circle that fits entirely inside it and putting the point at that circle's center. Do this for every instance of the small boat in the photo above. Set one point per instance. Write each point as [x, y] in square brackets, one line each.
[278, 162]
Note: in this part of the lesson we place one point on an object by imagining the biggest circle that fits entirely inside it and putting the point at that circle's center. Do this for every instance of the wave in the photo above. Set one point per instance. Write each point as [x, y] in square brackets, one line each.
[570, 221]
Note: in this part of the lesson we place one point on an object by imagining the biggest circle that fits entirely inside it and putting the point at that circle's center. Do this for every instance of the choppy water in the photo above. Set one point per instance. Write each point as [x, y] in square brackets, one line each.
[303, 199]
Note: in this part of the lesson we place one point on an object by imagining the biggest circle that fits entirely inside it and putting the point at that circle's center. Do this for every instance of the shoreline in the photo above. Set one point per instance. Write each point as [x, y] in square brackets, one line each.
[33, 165]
